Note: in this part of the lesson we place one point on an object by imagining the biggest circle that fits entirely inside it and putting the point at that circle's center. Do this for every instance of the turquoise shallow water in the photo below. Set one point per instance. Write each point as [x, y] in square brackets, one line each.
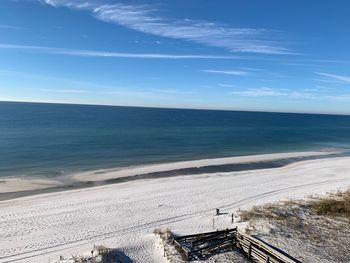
[55, 139]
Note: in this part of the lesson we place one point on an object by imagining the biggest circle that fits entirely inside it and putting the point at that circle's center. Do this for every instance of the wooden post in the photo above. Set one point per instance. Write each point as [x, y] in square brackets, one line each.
[267, 259]
[250, 250]
[213, 223]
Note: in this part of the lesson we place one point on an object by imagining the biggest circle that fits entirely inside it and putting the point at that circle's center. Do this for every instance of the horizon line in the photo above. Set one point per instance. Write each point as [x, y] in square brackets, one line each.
[176, 108]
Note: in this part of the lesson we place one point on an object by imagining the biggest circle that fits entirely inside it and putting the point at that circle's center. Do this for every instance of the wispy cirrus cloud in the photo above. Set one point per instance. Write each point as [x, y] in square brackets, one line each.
[306, 94]
[258, 92]
[79, 91]
[269, 92]
[174, 91]
[226, 85]
[335, 77]
[118, 92]
[106, 54]
[126, 93]
[328, 81]
[109, 54]
[72, 86]
[9, 27]
[252, 69]
[45, 77]
[342, 97]
[227, 72]
[147, 19]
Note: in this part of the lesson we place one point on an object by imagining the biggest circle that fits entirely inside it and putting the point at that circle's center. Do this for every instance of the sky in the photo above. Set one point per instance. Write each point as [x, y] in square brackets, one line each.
[276, 55]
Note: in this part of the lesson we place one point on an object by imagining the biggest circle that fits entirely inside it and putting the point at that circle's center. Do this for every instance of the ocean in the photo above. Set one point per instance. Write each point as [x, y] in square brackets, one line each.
[50, 140]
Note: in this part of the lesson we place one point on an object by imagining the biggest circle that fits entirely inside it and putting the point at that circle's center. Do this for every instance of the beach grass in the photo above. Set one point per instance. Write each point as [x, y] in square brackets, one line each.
[334, 205]
[302, 226]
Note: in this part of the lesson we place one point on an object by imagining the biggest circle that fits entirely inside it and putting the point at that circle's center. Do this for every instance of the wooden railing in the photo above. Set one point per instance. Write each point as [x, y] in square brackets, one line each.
[201, 245]
[259, 251]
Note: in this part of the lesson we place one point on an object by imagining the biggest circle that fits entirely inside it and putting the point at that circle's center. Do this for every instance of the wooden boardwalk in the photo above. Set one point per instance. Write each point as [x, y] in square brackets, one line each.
[202, 245]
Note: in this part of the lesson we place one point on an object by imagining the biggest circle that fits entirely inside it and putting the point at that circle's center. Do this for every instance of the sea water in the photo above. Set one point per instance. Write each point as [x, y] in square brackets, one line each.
[50, 140]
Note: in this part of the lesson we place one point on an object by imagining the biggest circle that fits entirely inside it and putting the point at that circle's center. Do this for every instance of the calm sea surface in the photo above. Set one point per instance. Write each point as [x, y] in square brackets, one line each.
[54, 139]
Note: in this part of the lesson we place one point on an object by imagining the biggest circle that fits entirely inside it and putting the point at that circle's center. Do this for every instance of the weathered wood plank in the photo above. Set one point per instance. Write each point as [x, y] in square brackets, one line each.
[200, 245]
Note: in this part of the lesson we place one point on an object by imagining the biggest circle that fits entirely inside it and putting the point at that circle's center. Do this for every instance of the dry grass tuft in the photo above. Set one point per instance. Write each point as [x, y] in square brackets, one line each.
[335, 205]
[281, 211]
[313, 230]
[163, 234]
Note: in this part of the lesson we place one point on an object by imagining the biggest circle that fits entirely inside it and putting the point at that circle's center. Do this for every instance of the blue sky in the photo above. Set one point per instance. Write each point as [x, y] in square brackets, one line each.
[275, 55]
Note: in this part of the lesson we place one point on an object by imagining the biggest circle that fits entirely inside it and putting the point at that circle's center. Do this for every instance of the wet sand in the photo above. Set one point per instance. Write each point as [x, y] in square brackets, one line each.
[20, 187]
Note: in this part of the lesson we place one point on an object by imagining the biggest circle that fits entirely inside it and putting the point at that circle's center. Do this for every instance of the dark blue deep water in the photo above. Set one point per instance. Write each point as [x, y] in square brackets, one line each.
[54, 139]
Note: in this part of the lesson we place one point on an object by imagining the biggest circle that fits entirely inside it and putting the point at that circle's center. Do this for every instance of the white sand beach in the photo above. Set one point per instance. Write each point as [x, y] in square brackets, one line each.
[41, 228]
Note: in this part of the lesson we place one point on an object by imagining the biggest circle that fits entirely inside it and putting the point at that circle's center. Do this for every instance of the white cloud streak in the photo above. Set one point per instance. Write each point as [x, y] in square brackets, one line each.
[98, 89]
[226, 85]
[66, 91]
[227, 72]
[268, 92]
[9, 27]
[125, 93]
[105, 54]
[341, 98]
[306, 94]
[146, 19]
[17, 74]
[335, 76]
[174, 91]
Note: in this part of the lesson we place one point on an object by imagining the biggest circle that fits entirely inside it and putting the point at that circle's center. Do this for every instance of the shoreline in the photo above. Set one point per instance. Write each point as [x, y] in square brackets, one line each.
[13, 187]
[104, 175]
[125, 215]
